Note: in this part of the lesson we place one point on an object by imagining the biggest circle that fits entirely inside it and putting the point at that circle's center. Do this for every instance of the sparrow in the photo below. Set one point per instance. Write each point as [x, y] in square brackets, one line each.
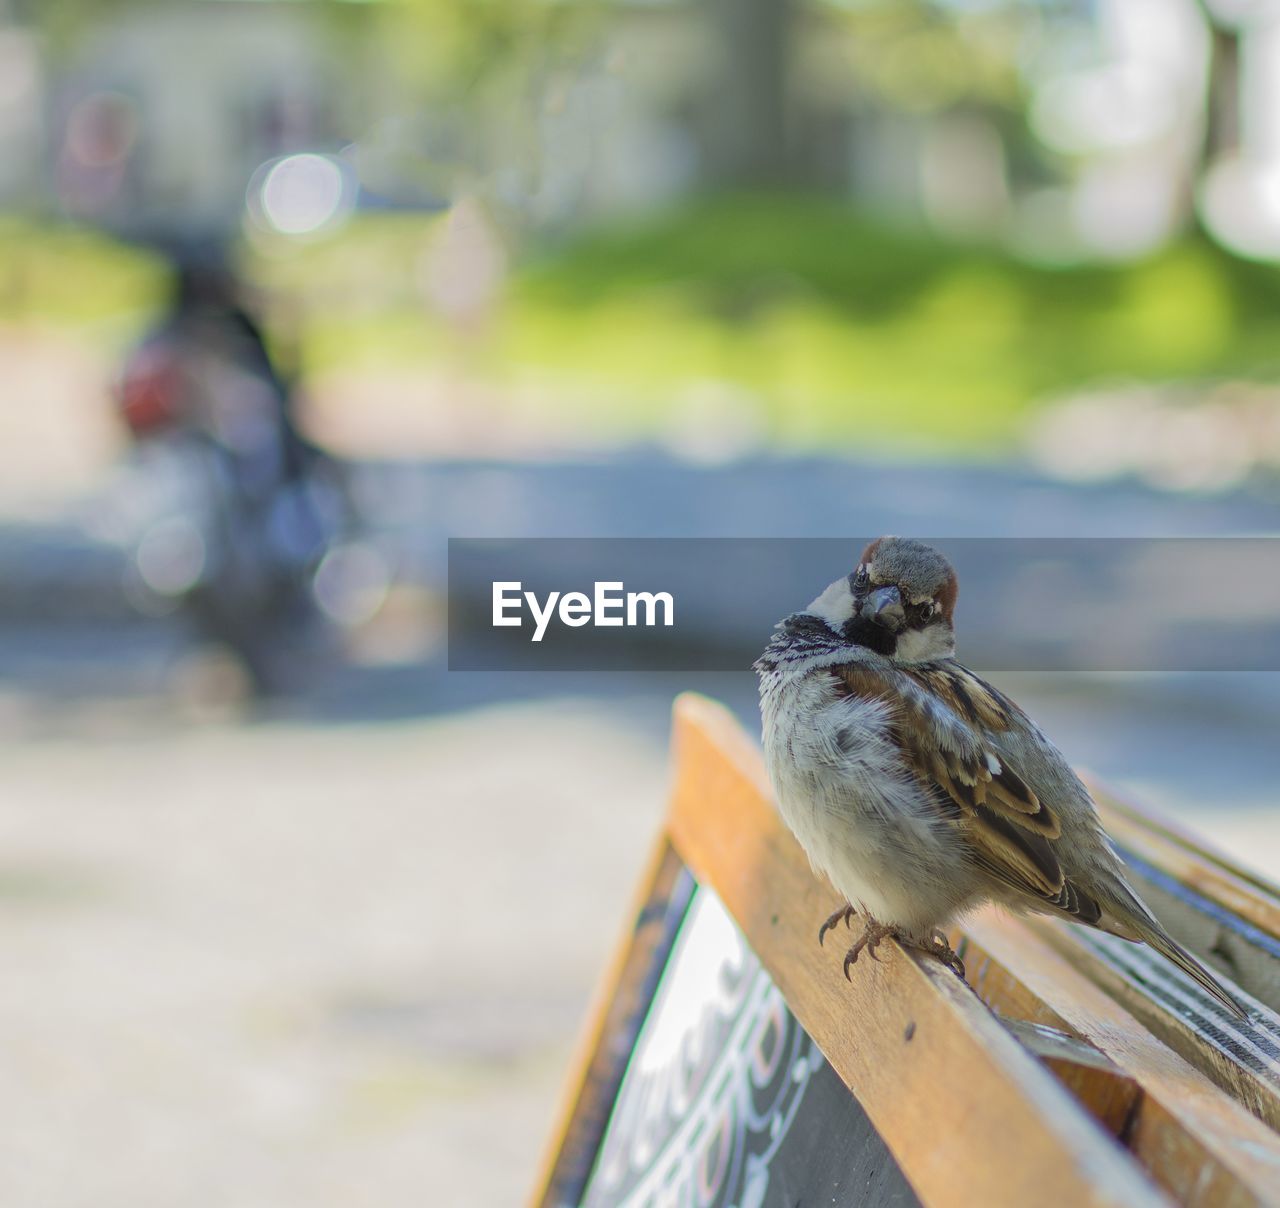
[918, 789]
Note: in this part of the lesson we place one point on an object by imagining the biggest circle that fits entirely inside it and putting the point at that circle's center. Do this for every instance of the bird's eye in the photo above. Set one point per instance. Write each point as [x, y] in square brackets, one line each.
[927, 610]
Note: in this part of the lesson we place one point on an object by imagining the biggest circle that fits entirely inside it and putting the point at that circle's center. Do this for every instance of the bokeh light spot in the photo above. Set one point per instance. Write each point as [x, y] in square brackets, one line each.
[304, 194]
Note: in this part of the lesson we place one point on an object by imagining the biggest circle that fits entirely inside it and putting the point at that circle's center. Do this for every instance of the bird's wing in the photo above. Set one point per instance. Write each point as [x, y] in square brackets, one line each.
[941, 716]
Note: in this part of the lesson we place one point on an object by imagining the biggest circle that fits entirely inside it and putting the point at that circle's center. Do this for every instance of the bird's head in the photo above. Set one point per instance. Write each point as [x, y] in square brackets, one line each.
[898, 601]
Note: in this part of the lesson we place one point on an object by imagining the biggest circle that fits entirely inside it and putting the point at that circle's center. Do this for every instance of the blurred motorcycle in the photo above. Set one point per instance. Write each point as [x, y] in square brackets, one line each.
[237, 513]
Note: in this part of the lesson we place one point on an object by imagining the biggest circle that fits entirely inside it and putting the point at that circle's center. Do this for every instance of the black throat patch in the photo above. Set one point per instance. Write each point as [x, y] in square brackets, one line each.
[862, 632]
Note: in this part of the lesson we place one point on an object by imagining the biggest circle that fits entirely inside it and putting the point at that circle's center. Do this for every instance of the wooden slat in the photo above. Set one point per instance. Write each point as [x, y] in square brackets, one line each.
[1229, 919]
[970, 1116]
[1242, 1058]
[1206, 874]
[613, 1020]
[1109, 1095]
[1197, 1143]
[1117, 810]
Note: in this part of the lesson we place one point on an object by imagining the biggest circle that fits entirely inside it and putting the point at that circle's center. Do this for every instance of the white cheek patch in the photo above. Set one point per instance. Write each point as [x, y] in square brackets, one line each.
[835, 605]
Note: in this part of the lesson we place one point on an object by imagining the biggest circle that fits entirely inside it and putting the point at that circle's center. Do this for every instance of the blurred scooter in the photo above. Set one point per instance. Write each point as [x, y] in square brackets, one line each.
[238, 511]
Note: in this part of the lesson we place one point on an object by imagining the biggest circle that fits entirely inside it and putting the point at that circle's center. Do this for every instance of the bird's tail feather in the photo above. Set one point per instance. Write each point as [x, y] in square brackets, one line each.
[1138, 923]
[1164, 944]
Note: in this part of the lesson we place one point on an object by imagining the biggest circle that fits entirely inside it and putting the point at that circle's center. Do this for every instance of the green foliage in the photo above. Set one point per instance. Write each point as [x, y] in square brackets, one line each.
[823, 326]
[846, 328]
[73, 275]
[917, 56]
[62, 23]
[453, 50]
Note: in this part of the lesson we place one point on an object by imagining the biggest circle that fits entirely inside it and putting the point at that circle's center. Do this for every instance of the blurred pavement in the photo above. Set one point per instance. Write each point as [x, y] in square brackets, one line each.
[283, 964]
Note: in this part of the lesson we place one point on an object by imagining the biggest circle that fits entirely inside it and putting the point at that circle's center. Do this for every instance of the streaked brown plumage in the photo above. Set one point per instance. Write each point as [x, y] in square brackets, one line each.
[918, 788]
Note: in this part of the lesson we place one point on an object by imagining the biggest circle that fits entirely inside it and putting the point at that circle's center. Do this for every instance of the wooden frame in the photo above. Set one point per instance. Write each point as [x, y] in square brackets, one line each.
[614, 1021]
[972, 1106]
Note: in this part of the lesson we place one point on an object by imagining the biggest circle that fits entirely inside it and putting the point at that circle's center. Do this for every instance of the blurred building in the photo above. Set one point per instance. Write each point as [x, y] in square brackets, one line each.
[160, 117]
[1076, 129]
[22, 126]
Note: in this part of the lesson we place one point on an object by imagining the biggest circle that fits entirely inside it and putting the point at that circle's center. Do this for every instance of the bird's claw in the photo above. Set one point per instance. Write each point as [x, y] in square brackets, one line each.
[937, 946]
[845, 912]
[869, 940]
[940, 946]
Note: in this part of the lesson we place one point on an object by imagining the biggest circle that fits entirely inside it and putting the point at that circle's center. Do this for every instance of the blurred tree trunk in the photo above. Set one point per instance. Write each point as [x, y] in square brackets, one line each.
[748, 111]
[1222, 122]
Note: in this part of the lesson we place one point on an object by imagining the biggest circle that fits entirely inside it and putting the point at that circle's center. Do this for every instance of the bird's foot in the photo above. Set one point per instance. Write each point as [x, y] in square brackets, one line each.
[940, 947]
[936, 945]
[844, 914]
[868, 941]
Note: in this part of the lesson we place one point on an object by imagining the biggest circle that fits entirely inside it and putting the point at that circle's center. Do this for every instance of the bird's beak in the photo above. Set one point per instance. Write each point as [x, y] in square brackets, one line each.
[884, 607]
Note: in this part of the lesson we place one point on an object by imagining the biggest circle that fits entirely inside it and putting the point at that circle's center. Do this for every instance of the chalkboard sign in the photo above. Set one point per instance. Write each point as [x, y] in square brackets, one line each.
[729, 1062]
[727, 1101]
